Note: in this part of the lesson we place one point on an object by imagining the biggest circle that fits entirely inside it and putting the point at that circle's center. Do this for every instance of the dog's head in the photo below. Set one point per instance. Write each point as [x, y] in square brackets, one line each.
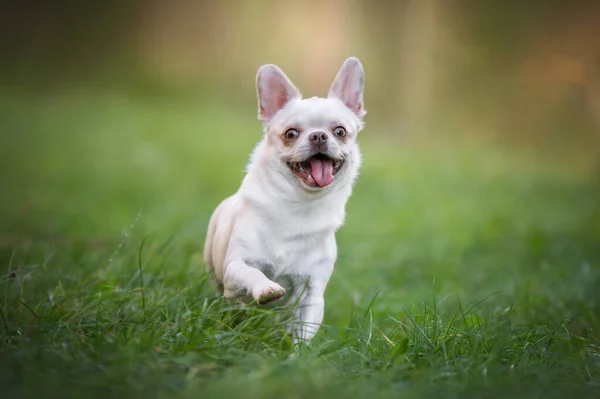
[312, 141]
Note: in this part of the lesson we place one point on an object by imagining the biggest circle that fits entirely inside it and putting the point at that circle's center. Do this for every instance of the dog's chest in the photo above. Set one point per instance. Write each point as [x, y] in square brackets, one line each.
[296, 243]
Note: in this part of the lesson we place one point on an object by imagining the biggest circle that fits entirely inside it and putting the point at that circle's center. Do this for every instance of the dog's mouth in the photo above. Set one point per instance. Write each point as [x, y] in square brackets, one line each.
[317, 171]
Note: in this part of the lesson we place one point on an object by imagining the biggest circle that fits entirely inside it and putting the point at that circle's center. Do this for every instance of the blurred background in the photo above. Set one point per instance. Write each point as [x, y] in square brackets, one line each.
[139, 103]
[516, 69]
[123, 124]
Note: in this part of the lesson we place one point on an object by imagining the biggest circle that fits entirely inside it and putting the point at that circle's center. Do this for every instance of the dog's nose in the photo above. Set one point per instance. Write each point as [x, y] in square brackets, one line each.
[318, 138]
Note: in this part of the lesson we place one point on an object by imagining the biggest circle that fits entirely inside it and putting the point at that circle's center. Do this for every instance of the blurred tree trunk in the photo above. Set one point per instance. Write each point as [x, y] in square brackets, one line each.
[381, 31]
[417, 69]
[402, 62]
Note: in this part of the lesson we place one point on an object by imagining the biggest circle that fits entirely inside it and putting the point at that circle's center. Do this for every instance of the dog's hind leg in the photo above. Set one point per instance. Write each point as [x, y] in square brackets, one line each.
[243, 280]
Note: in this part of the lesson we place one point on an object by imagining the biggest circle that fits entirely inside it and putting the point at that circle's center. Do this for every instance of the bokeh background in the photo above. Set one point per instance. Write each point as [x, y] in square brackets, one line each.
[142, 114]
[144, 111]
[513, 69]
[124, 123]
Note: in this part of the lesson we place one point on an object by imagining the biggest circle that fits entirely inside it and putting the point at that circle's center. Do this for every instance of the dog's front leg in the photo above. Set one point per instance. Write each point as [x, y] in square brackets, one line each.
[309, 305]
[242, 280]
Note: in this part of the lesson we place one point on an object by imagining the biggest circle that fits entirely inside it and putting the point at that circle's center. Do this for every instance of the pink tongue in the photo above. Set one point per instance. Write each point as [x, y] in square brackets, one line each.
[322, 171]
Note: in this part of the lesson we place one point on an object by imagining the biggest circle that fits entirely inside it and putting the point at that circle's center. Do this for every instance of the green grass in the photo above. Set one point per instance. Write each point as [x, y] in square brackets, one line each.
[464, 270]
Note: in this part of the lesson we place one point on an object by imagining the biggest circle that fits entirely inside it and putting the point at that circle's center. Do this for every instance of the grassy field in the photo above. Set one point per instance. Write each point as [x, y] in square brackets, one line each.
[463, 271]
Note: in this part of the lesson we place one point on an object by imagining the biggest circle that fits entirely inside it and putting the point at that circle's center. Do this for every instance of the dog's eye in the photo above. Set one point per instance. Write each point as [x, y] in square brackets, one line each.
[339, 131]
[291, 134]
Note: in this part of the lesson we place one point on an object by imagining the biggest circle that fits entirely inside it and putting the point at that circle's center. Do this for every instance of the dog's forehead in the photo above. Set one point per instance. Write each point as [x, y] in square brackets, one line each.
[317, 112]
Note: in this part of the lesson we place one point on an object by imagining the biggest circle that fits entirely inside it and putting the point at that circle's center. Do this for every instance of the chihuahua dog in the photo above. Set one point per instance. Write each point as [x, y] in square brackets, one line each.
[274, 240]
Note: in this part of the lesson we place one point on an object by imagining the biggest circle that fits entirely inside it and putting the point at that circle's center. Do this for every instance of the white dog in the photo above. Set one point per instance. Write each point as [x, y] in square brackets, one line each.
[278, 230]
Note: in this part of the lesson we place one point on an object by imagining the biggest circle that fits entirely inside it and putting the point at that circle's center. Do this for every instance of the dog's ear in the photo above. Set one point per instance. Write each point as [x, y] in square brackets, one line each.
[274, 91]
[348, 86]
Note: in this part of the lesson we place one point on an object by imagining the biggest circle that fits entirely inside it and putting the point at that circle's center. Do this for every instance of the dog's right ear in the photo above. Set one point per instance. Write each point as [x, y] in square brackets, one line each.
[274, 91]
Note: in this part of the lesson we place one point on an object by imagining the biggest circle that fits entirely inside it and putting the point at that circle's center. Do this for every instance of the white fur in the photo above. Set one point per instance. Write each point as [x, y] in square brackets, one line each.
[276, 230]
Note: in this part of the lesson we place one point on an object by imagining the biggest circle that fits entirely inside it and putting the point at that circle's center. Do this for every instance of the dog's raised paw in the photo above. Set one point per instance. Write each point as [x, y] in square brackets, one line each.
[270, 294]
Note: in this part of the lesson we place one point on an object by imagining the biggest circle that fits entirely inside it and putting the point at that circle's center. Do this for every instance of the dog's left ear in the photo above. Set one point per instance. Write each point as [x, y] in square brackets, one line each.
[348, 86]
